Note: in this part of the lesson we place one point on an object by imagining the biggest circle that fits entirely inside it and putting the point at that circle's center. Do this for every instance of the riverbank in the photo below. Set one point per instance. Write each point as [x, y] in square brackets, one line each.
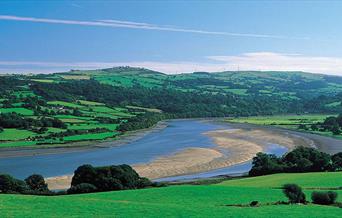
[82, 145]
[233, 146]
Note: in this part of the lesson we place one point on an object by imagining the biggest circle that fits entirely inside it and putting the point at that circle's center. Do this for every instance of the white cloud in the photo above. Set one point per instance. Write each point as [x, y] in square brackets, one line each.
[138, 25]
[265, 61]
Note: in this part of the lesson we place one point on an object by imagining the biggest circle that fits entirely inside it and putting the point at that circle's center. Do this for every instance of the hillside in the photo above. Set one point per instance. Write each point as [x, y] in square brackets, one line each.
[79, 106]
[184, 200]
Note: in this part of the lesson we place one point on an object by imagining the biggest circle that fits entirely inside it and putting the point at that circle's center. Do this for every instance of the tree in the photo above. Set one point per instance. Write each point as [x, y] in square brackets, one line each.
[264, 164]
[305, 159]
[337, 161]
[84, 174]
[294, 193]
[8, 184]
[109, 178]
[37, 183]
[82, 188]
[324, 198]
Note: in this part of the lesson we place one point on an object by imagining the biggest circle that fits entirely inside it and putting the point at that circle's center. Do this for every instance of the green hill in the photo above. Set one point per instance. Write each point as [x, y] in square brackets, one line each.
[183, 200]
[102, 104]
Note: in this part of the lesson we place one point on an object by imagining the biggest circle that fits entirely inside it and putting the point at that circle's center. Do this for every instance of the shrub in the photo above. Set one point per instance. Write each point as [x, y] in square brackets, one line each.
[144, 182]
[294, 193]
[254, 204]
[37, 183]
[264, 164]
[109, 178]
[324, 198]
[337, 161]
[304, 159]
[82, 188]
[84, 174]
[8, 184]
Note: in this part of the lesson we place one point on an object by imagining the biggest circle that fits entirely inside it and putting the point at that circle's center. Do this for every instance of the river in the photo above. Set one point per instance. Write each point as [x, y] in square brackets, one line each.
[177, 136]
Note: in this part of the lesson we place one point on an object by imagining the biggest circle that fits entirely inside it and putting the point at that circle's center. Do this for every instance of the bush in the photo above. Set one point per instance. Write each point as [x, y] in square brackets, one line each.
[294, 193]
[264, 164]
[144, 182]
[82, 188]
[337, 161]
[304, 159]
[37, 183]
[109, 178]
[8, 184]
[254, 204]
[324, 198]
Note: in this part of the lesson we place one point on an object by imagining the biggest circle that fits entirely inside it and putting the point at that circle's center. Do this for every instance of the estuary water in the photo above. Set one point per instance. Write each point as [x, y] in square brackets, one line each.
[178, 135]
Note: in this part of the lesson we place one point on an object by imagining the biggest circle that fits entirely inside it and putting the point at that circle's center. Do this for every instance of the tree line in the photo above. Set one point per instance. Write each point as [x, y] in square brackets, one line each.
[301, 159]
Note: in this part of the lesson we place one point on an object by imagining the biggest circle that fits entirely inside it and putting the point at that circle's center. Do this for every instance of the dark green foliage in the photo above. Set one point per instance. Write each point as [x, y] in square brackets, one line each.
[37, 183]
[301, 159]
[294, 193]
[14, 120]
[254, 204]
[143, 121]
[109, 178]
[144, 182]
[337, 161]
[8, 184]
[84, 174]
[265, 164]
[82, 188]
[304, 159]
[324, 198]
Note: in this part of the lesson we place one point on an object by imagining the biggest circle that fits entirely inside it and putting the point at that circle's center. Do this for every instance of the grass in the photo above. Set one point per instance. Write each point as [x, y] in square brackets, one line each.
[145, 109]
[19, 110]
[282, 119]
[93, 126]
[306, 180]
[76, 77]
[15, 134]
[44, 80]
[90, 136]
[17, 144]
[289, 122]
[173, 201]
[65, 104]
[91, 103]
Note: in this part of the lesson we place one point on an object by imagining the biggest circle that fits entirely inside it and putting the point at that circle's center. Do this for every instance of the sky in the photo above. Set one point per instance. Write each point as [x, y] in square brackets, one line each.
[171, 36]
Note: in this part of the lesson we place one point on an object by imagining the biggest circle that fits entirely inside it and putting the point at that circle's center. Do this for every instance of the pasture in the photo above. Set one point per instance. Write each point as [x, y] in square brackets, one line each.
[181, 200]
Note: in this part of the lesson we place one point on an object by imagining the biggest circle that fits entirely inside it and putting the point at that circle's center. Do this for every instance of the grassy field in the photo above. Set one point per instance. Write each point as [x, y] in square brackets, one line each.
[86, 121]
[283, 120]
[180, 200]
[289, 122]
[19, 110]
[15, 134]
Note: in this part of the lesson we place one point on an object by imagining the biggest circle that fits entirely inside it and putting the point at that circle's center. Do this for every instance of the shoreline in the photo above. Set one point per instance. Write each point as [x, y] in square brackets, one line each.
[233, 146]
[120, 140]
[323, 143]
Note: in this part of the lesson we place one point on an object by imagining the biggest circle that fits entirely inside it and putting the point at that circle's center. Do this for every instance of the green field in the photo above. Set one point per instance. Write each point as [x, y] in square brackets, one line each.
[19, 110]
[289, 122]
[90, 136]
[181, 200]
[282, 120]
[15, 134]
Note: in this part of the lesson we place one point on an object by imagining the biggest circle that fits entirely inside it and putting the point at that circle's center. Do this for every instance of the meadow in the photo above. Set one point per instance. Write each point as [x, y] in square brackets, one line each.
[289, 122]
[184, 200]
[86, 122]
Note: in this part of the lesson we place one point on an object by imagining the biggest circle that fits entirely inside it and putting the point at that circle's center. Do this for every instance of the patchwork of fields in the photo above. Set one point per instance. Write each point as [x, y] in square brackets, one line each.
[184, 200]
[85, 120]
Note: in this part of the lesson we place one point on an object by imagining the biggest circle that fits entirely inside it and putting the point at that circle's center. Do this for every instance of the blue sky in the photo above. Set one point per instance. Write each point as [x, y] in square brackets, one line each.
[172, 36]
